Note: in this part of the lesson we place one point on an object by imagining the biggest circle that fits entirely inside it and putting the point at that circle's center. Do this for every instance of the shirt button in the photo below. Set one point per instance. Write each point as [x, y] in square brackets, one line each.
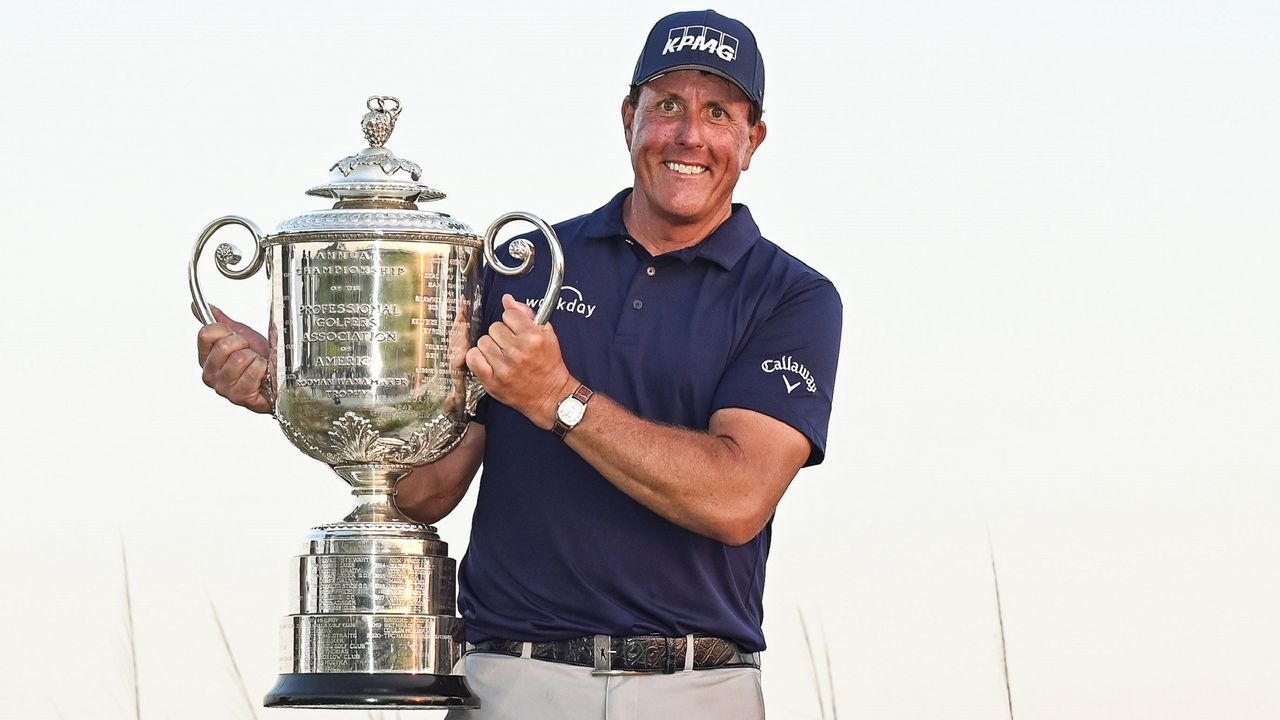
[637, 304]
[650, 271]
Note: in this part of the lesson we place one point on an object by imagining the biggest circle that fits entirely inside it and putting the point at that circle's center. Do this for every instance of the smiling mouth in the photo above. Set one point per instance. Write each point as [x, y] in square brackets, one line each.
[685, 169]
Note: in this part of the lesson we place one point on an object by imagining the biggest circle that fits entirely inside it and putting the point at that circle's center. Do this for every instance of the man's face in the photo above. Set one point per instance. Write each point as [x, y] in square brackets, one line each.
[690, 139]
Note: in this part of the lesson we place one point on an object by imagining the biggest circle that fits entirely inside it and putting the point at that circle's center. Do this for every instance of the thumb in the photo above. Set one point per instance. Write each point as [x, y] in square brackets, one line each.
[225, 319]
[510, 303]
[255, 338]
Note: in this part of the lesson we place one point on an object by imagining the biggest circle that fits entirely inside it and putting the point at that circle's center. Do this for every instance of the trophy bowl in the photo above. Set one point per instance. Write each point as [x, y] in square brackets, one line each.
[374, 305]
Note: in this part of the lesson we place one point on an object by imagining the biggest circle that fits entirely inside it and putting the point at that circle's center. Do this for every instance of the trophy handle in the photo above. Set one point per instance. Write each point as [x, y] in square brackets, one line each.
[522, 250]
[225, 256]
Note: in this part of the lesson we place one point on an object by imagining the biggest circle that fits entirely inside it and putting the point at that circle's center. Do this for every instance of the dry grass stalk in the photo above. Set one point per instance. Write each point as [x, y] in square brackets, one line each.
[129, 634]
[831, 681]
[813, 668]
[231, 657]
[1004, 648]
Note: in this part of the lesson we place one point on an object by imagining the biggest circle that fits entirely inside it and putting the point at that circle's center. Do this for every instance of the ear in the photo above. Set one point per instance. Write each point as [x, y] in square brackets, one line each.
[755, 137]
[628, 114]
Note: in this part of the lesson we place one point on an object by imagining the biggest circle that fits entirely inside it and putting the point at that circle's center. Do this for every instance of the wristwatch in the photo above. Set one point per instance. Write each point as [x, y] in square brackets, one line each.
[570, 411]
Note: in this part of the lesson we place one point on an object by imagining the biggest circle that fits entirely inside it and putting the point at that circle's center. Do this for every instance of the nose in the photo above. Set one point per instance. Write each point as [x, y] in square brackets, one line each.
[690, 131]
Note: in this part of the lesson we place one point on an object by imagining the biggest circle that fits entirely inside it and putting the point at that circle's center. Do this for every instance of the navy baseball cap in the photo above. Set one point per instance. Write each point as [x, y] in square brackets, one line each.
[703, 40]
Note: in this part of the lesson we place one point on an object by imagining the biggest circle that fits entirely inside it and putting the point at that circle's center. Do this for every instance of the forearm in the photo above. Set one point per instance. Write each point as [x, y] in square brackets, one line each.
[432, 491]
[703, 481]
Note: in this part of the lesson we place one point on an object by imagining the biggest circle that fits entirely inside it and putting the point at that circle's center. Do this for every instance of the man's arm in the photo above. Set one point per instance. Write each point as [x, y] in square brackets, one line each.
[723, 483]
[432, 491]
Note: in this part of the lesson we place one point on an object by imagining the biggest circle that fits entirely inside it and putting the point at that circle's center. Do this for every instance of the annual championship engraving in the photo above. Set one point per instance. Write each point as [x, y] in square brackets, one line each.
[374, 305]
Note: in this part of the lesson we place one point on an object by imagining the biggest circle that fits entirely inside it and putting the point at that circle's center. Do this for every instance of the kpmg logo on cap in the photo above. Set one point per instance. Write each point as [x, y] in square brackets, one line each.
[704, 38]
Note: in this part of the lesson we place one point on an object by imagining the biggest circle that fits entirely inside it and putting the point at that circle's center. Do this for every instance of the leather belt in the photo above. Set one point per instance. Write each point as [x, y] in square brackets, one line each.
[608, 655]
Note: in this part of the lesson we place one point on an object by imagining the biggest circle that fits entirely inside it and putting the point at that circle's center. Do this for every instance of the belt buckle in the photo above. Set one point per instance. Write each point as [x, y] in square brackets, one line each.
[603, 653]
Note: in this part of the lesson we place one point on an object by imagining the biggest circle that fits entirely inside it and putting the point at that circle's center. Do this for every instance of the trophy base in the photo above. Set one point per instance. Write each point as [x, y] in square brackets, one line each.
[381, 690]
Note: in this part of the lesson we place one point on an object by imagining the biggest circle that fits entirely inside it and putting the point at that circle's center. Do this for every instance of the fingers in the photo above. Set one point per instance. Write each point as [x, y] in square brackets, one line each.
[220, 354]
[502, 335]
[212, 333]
[489, 350]
[245, 386]
[224, 344]
[207, 338]
[236, 372]
[518, 316]
[479, 365]
[256, 341]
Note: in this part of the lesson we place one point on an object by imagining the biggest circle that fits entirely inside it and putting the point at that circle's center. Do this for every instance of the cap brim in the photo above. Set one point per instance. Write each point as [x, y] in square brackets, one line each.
[703, 68]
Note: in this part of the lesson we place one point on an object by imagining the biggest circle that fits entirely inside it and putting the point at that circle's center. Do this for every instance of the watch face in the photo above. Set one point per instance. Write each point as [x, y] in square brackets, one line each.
[570, 411]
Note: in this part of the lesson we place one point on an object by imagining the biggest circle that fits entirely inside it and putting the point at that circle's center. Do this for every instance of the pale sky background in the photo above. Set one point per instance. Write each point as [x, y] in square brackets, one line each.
[1054, 226]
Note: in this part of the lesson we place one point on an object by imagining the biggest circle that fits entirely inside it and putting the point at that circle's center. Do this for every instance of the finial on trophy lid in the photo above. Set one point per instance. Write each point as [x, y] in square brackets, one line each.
[380, 120]
[375, 177]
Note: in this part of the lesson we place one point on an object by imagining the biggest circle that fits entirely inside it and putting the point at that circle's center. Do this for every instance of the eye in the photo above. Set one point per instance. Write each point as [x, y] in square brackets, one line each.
[668, 105]
[718, 113]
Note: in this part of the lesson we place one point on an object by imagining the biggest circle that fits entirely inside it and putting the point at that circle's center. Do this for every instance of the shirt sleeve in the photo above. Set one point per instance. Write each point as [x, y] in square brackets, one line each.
[787, 368]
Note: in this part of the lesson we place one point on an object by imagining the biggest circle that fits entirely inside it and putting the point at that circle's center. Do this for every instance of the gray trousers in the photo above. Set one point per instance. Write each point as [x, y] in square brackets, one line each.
[528, 689]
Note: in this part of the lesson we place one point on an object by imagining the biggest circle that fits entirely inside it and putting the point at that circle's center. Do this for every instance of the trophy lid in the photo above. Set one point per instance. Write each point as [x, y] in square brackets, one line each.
[375, 172]
[374, 189]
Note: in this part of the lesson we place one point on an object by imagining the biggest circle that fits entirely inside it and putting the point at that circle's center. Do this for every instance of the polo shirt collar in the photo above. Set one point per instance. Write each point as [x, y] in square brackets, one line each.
[725, 246]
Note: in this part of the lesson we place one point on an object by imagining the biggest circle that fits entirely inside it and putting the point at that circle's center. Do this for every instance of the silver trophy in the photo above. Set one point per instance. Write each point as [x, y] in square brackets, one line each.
[374, 304]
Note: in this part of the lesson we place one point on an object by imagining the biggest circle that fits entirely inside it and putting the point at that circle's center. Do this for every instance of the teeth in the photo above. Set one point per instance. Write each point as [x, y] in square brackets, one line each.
[685, 169]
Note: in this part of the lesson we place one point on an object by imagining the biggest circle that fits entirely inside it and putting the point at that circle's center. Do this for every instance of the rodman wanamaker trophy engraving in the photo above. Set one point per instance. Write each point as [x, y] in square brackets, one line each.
[374, 304]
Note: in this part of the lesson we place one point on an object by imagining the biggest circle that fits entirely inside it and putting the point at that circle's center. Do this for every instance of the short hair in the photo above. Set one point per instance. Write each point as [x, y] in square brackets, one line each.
[753, 117]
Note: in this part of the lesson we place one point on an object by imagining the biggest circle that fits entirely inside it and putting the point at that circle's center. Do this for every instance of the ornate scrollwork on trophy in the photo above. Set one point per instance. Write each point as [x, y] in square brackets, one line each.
[422, 194]
[429, 443]
[227, 255]
[302, 441]
[354, 440]
[475, 391]
[382, 221]
[383, 159]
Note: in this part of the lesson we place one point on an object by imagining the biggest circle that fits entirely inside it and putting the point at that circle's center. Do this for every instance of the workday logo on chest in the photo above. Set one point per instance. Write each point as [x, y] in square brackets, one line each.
[570, 300]
[701, 38]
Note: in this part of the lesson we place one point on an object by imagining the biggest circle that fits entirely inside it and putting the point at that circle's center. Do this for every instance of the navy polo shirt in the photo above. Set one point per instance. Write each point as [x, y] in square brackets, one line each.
[558, 552]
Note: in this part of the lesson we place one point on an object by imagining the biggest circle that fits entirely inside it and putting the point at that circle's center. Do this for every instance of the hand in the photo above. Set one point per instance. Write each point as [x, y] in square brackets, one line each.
[459, 344]
[460, 336]
[520, 364]
[233, 356]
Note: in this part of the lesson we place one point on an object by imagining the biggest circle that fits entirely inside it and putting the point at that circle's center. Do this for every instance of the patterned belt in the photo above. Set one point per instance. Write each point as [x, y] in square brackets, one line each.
[625, 655]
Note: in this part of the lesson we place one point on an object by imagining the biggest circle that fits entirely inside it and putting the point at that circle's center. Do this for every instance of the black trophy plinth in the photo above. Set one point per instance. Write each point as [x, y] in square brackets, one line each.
[352, 690]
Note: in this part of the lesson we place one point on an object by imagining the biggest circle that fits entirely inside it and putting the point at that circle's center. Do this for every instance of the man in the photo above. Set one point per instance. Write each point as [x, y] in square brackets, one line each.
[636, 446]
